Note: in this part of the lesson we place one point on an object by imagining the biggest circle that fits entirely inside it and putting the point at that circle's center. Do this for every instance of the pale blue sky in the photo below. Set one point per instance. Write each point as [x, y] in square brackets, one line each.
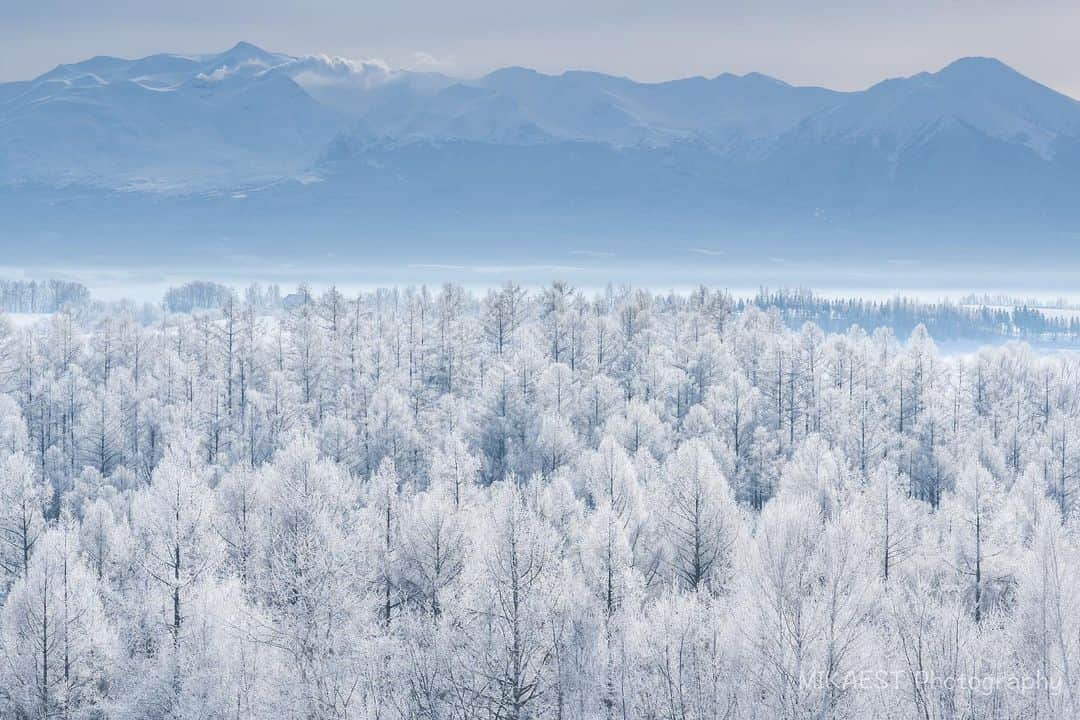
[845, 44]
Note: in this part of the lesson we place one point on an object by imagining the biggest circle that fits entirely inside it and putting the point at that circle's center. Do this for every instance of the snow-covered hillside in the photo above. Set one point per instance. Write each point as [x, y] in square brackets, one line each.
[164, 122]
[246, 115]
[125, 157]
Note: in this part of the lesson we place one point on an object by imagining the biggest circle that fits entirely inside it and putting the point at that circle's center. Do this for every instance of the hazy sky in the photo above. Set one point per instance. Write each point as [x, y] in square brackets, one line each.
[845, 44]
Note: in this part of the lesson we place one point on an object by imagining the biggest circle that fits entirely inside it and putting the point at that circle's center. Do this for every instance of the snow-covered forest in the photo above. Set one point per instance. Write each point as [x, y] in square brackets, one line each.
[435, 504]
[30, 296]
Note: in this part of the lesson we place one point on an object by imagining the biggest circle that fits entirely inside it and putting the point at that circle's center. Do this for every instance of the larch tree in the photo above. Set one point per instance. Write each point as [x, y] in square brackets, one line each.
[700, 519]
[518, 560]
[23, 499]
[58, 646]
[173, 517]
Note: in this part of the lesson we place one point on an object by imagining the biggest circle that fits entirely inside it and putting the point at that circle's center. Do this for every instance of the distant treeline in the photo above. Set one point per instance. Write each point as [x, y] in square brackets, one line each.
[197, 295]
[1005, 300]
[944, 320]
[40, 296]
[205, 295]
[973, 317]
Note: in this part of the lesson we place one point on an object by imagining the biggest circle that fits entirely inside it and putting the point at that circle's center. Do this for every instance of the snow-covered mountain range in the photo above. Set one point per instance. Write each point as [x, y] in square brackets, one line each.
[339, 137]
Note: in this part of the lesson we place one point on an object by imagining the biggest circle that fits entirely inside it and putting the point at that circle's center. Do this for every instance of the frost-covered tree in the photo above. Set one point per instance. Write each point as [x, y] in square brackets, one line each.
[58, 646]
[700, 519]
[409, 503]
[510, 638]
[172, 517]
[23, 499]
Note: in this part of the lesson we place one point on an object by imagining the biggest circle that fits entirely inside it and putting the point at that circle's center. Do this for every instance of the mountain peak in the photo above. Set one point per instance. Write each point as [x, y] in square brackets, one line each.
[983, 61]
[765, 79]
[994, 79]
[245, 52]
[245, 47]
[975, 67]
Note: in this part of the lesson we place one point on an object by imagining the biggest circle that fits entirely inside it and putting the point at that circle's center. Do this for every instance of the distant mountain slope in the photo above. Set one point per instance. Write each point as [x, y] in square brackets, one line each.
[164, 122]
[976, 134]
[974, 144]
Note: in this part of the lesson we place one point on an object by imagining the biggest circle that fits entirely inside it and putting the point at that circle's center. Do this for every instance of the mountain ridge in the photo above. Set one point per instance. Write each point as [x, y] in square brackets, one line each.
[302, 103]
[974, 144]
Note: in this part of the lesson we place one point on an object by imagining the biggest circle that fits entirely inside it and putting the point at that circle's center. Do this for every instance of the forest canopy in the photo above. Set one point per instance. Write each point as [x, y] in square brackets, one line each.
[531, 504]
